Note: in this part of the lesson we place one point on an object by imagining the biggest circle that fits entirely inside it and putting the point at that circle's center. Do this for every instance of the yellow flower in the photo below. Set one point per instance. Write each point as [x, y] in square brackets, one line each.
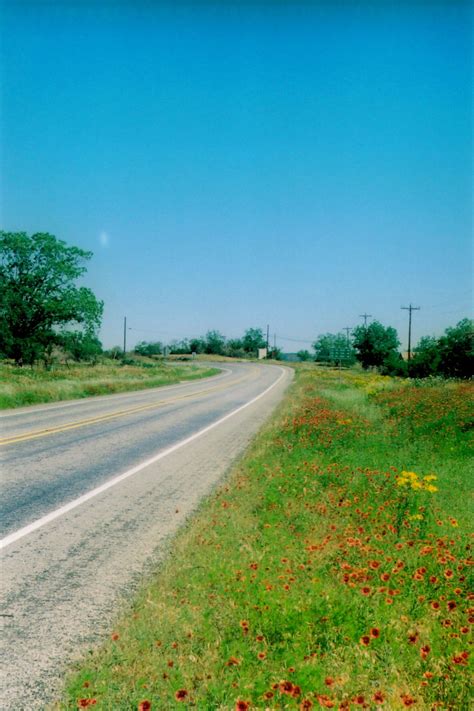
[417, 485]
[431, 488]
[416, 517]
[430, 477]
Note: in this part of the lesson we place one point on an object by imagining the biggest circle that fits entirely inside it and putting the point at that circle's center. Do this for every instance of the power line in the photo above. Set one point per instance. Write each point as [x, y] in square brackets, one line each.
[365, 317]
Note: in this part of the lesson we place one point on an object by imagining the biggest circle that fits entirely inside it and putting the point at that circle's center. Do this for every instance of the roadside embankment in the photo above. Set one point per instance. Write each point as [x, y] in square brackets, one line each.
[330, 571]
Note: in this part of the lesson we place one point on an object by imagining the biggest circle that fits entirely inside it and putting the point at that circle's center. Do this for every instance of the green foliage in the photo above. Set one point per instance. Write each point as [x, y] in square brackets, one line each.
[375, 344]
[427, 358]
[457, 350]
[451, 356]
[304, 355]
[180, 347]
[334, 349]
[215, 343]
[38, 295]
[148, 348]
[197, 345]
[253, 340]
[394, 365]
[235, 348]
[81, 345]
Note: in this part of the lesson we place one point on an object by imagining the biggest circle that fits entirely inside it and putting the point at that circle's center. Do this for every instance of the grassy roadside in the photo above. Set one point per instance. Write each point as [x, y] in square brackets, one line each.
[29, 386]
[330, 571]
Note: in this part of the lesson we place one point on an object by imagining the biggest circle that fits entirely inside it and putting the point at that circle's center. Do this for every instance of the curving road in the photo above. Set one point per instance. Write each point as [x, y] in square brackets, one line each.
[91, 491]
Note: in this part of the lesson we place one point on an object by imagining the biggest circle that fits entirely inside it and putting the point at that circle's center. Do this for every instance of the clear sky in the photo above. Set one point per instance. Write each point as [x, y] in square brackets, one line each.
[237, 164]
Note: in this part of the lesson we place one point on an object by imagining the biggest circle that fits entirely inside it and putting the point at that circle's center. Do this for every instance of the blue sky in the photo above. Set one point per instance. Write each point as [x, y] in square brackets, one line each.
[238, 164]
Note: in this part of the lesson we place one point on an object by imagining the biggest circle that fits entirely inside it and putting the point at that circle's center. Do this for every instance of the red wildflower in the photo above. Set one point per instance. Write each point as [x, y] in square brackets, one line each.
[115, 636]
[144, 705]
[378, 697]
[305, 705]
[180, 694]
[365, 640]
[261, 655]
[365, 590]
[451, 605]
[408, 700]
[232, 661]
[329, 681]
[325, 701]
[286, 687]
[425, 650]
[435, 605]
[296, 691]
[84, 703]
[242, 705]
[374, 632]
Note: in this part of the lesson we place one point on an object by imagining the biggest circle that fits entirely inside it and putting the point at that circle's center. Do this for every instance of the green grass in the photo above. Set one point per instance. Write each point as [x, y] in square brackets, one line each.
[319, 575]
[29, 386]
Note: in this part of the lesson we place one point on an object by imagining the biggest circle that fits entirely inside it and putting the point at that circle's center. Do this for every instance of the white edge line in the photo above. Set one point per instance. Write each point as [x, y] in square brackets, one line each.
[39, 523]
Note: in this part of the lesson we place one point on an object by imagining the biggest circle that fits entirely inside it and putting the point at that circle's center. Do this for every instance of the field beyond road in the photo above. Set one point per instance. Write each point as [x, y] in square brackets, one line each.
[331, 570]
[31, 386]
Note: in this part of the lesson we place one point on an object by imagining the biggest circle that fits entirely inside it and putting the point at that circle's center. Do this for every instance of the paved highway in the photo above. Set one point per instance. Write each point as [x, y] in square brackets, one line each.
[91, 492]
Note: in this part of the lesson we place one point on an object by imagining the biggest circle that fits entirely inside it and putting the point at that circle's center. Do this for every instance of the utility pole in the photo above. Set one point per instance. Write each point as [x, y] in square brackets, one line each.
[365, 317]
[347, 329]
[409, 309]
[124, 335]
[268, 338]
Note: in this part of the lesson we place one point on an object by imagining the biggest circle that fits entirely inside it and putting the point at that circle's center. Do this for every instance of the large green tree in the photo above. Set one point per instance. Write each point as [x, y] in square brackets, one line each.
[38, 295]
[375, 344]
[253, 340]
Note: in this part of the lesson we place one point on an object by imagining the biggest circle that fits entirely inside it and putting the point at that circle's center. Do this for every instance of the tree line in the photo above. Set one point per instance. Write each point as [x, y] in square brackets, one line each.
[377, 346]
[43, 310]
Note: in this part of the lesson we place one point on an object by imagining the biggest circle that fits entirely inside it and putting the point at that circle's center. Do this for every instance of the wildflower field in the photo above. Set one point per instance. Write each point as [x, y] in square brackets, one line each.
[331, 570]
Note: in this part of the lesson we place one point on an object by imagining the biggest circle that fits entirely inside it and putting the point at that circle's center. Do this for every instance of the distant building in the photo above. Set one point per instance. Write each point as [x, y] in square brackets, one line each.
[261, 353]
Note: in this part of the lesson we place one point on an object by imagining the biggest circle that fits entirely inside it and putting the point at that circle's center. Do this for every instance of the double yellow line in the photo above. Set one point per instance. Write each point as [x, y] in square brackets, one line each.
[103, 418]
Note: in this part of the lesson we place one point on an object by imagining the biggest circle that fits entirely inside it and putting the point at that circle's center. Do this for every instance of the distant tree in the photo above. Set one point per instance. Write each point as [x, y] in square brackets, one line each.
[115, 353]
[456, 348]
[394, 364]
[334, 349]
[253, 340]
[147, 348]
[235, 348]
[81, 345]
[197, 345]
[38, 295]
[215, 343]
[426, 358]
[180, 347]
[375, 343]
[304, 355]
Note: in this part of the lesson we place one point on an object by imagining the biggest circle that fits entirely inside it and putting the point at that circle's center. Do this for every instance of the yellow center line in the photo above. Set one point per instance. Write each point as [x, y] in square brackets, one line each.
[111, 416]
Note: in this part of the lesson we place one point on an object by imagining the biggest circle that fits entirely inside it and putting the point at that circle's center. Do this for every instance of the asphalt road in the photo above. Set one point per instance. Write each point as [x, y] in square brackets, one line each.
[91, 492]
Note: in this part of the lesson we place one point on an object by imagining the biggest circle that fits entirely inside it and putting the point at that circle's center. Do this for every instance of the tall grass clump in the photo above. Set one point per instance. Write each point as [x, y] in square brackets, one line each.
[332, 570]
